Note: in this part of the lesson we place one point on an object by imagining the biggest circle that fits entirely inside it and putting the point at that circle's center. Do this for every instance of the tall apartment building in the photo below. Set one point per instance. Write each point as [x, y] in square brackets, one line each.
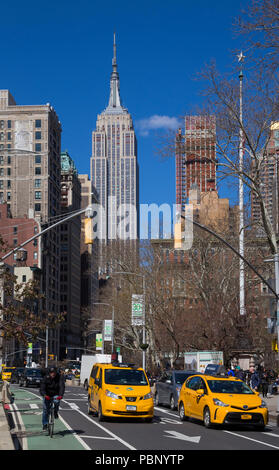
[269, 176]
[70, 331]
[25, 264]
[114, 167]
[195, 157]
[30, 137]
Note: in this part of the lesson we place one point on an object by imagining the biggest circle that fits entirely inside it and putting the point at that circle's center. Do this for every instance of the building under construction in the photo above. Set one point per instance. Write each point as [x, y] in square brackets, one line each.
[195, 157]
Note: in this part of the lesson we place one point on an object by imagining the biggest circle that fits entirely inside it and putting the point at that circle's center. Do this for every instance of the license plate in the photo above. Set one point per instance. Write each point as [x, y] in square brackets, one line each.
[246, 416]
[131, 408]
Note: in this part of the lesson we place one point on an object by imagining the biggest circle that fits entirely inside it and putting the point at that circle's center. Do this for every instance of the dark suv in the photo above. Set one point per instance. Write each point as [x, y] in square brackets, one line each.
[31, 377]
[167, 388]
[16, 374]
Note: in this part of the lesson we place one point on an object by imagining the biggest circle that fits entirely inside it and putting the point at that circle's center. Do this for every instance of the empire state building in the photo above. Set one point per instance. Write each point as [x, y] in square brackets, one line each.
[114, 167]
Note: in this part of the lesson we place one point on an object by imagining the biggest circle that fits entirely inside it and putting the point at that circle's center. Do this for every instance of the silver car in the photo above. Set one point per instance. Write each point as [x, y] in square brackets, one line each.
[167, 388]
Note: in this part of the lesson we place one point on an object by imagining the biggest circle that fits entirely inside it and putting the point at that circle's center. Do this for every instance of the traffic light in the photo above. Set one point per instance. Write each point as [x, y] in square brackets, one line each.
[274, 345]
[88, 226]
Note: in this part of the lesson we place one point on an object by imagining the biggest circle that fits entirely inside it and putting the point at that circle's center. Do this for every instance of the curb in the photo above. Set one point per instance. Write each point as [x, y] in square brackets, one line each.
[6, 441]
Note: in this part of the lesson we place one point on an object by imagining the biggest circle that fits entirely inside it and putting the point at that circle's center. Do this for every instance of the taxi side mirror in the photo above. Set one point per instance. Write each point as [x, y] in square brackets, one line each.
[200, 391]
[97, 382]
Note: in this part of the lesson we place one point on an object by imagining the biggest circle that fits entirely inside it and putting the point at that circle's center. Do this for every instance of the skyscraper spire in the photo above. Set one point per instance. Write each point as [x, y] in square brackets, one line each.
[114, 64]
[115, 104]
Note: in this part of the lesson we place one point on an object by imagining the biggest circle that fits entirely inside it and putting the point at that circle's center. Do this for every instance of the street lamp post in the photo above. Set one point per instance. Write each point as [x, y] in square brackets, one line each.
[241, 58]
[143, 325]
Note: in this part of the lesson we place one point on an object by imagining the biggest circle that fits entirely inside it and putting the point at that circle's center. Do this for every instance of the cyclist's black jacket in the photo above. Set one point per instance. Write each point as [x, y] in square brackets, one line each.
[52, 387]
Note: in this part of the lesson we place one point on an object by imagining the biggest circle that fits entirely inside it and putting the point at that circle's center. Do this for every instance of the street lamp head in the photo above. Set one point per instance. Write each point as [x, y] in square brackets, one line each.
[241, 57]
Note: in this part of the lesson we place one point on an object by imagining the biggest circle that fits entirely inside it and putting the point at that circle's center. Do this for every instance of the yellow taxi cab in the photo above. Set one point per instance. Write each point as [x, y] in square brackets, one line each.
[119, 390]
[221, 400]
[7, 373]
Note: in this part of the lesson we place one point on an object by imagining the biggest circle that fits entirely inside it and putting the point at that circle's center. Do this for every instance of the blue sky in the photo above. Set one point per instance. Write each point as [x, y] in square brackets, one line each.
[60, 52]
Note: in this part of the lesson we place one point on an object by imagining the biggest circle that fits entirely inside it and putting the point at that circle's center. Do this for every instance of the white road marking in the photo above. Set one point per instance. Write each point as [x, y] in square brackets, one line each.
[34, 406]
[86, 447]
[166, 412]
[271, 434]
[126, 444]
[24, 439]
[183, 437]
[250, 439]
[99, 437]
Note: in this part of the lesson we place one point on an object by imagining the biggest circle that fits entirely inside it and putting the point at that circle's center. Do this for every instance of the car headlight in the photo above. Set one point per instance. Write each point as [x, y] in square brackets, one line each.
[263, 404]
[112, 395]
[149, 395]
[219, 402]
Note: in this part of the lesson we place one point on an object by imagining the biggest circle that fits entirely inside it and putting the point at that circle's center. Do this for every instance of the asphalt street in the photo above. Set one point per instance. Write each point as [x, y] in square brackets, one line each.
[76, 430]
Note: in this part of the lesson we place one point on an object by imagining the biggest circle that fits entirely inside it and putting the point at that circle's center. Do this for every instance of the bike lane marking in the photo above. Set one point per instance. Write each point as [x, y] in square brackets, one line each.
[126, 444]
[64, 436]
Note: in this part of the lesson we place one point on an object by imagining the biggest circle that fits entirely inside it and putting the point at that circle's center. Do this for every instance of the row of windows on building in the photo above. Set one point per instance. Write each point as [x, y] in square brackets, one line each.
[8, 124]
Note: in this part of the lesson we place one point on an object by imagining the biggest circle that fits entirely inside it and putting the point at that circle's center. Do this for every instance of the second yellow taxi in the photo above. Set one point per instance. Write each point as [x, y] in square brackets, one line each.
[221, 400]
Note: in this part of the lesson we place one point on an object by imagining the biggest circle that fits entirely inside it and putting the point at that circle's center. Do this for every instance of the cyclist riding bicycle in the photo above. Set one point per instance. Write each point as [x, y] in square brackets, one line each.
[52, 388]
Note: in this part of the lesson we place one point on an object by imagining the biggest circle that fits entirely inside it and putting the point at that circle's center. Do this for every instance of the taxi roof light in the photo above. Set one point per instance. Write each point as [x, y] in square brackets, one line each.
[121, 364]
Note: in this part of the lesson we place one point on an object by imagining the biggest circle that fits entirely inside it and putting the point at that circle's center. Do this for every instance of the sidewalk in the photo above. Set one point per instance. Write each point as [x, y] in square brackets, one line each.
[271, 402]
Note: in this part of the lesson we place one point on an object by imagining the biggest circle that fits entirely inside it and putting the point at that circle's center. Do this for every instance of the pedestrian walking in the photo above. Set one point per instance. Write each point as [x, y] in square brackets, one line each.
[264, 383]
[254, 379]
[240, 374]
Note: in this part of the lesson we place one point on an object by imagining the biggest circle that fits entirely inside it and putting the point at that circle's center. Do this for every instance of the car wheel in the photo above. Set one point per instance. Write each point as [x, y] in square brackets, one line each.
[157, 403]
[182, 415]
[89, 411]
[100, 413]
[207, 418]
[172, 403]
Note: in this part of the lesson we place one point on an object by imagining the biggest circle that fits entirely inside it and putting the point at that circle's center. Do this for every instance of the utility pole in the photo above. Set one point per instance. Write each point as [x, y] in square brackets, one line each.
[241, 58]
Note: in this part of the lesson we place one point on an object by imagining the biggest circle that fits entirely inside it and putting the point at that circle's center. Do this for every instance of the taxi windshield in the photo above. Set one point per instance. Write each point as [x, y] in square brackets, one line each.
[229, 386]
[125, 377]
[7, 370]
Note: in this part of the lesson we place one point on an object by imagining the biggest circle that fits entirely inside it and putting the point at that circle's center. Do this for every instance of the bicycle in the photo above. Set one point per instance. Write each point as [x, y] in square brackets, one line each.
[50, 425]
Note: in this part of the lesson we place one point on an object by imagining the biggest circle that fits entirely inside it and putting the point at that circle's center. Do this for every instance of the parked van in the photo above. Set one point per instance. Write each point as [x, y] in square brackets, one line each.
[119, 390]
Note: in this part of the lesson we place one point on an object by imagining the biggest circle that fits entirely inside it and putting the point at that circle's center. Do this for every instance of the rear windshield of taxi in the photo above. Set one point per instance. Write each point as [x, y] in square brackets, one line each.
[125, 377]
[229, 386]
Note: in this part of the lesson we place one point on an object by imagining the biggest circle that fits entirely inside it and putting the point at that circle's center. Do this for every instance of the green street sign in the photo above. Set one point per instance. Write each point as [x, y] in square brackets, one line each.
[99, 341]
[137, 310]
